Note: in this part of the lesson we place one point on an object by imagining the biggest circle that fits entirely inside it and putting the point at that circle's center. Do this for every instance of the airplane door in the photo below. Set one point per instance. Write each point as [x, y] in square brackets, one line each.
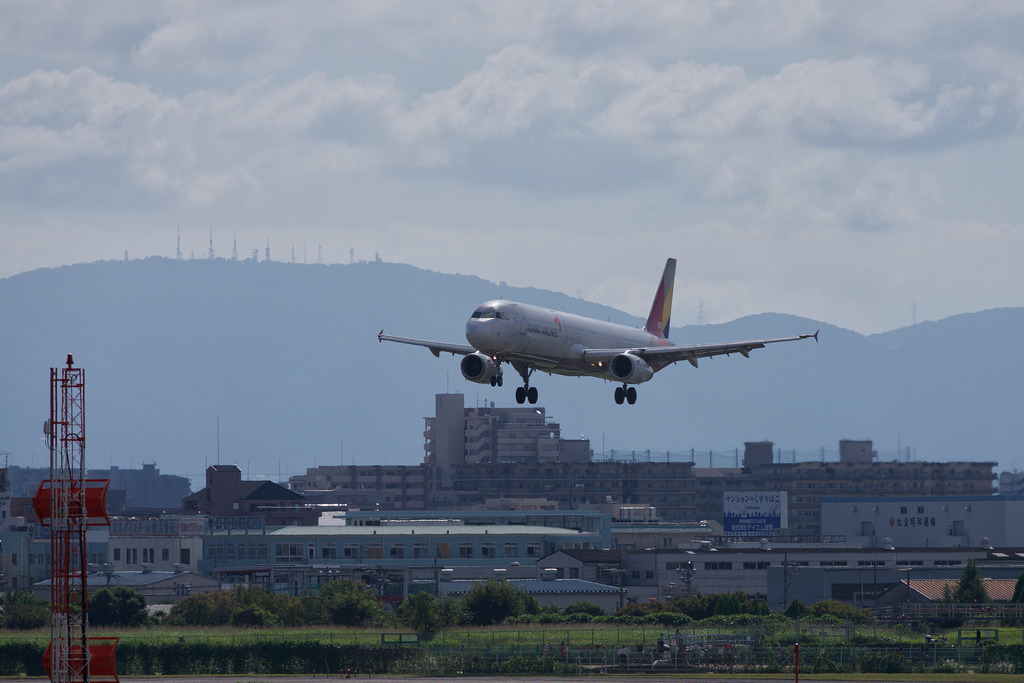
[522, 320]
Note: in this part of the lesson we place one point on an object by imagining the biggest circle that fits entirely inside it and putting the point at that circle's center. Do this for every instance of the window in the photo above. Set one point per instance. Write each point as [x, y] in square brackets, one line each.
[533, 549]
[756, 565]
[117, 554]
[351, 551]
[288, 552]
[419, 550]
[444, 549]
[717, 566]
[488, 550]
[374, 551]
[396, 551]
[329, 551]
[165, 554]
[511, 550]
[465, 550]
[186, 555]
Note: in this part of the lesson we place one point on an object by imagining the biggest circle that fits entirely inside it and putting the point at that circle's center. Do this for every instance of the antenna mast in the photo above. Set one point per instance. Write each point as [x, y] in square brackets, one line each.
[69, 504]
[178, 255]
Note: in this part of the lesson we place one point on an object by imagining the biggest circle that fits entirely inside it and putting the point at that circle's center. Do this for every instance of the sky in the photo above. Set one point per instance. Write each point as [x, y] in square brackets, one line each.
[859, 163]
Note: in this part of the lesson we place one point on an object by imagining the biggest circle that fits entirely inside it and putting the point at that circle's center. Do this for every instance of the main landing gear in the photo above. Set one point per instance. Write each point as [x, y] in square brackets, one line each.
[625, 393]
[526, 392]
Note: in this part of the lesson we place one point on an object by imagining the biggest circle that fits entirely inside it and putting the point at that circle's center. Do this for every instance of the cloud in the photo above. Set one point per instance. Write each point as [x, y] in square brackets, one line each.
[603, 131]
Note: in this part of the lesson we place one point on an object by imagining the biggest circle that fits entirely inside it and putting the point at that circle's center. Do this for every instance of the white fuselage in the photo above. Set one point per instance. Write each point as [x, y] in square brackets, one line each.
[552, 341]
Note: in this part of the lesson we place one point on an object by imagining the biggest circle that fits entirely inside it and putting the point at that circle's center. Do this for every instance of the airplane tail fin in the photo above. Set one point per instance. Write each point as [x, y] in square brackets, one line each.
[661, 309]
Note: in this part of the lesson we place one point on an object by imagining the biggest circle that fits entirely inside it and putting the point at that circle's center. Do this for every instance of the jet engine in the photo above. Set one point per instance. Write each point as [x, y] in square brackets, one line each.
[479, 367]
[630, 369]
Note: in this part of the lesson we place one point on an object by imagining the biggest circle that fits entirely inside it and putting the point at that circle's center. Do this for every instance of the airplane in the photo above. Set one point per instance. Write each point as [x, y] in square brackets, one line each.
[531, 338]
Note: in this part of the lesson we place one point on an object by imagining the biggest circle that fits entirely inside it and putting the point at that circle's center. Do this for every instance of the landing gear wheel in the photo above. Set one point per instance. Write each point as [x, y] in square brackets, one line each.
[531, 395]
[620, 395]
[500, 382]
[520, 395]
[631, 395]
[494, 381]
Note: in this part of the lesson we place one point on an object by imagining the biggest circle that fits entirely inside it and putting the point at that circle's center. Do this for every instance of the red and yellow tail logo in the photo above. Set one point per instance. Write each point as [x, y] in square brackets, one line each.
[661, 310]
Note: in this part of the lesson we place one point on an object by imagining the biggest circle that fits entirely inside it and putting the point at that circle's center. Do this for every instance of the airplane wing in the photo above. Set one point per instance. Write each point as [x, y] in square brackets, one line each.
[690, 353]
[435, 347]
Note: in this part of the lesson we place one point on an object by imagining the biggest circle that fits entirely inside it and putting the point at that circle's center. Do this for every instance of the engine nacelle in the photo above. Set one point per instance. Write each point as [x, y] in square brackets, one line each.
[479, 367]
[630, 369]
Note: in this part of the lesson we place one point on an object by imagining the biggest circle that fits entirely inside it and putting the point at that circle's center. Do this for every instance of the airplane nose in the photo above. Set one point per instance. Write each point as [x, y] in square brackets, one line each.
[474, 335]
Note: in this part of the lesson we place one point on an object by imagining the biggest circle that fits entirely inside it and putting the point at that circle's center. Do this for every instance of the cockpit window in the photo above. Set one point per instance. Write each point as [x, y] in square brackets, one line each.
[485, 313]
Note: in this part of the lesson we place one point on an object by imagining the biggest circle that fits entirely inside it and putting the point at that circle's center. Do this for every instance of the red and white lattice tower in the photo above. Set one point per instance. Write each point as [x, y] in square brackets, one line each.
[69, 503]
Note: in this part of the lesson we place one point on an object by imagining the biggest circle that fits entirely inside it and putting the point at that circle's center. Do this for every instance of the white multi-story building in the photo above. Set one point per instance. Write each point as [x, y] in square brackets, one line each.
[925, 521]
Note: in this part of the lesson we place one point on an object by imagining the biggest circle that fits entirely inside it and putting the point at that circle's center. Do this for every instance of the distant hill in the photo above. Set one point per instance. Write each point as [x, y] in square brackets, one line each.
[286, 357]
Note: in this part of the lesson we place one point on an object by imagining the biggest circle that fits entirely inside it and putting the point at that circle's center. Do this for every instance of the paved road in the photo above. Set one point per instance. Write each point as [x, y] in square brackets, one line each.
[659, 678]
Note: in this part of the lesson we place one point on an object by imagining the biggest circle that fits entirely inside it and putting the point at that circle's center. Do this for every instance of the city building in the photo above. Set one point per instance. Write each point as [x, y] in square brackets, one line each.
[926, 521]
[389, 557]
[457, 435]
[157, 587]
[548, 591]
[26, 555]
[779, 574]
[1011, 483]
[172, 543]
[370, 487]
[920, 591]
[130, 490]
[228, 495]
[682, 492]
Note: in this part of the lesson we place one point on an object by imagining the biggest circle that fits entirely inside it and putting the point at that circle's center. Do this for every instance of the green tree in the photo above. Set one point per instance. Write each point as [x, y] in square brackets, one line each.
[797, 609]
[970, 587]
[841, 610]
[119, 606]
[23, 610]
[421, 613]
[252, 615]
[453, 613]
[1018, 590]
[350, 604]
[494, 601]
[246, 605]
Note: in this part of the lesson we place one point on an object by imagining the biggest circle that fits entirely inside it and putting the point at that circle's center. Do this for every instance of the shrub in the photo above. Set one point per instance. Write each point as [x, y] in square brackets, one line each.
[889, 663]
[23, 610]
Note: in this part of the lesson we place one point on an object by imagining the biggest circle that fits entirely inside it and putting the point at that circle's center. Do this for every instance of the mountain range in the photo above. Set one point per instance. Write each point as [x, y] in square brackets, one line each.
[276, 367]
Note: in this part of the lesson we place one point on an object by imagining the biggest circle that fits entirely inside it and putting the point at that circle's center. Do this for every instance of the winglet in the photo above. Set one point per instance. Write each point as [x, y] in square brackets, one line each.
[379, 335]
[811, 336]
[661, 310]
